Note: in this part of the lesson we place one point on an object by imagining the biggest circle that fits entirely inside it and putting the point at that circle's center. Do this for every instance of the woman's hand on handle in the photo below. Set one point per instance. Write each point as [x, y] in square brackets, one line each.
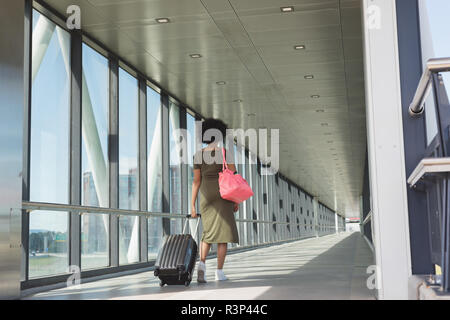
[236, 207]
[193, 212]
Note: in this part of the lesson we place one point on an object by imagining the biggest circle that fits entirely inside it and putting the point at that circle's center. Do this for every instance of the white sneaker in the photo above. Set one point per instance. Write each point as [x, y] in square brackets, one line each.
[201, 271]
[220, 276]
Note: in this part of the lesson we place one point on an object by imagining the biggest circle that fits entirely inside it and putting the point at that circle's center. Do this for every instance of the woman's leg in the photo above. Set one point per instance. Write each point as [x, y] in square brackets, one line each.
[204, 249]
[221, 254]
[201, 270]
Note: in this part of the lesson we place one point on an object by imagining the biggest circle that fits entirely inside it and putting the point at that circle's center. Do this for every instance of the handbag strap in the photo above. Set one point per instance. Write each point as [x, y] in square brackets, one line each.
[224, 162]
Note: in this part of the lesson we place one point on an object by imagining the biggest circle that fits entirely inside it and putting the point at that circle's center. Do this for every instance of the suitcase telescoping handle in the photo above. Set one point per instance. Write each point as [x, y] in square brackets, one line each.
[188, 216]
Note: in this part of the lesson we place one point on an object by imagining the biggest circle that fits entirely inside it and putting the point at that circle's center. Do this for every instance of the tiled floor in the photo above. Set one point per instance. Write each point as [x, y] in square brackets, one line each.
[332, 267]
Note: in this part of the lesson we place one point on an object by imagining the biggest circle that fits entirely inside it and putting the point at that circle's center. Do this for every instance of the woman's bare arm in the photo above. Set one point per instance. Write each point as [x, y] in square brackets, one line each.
[232, 167]
[195, 187]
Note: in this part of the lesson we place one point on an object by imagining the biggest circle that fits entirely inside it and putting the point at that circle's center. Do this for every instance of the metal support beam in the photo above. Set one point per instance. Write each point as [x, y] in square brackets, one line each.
[75, 146]
[165, 161]
[143, 201]
[315, 210]
[113, 150]
[12, 90]
[410, 66]
[26, 138]
[184, 165]
[386, 151]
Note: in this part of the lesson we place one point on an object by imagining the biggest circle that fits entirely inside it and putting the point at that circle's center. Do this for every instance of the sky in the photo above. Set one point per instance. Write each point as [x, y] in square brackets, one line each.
[435, 26]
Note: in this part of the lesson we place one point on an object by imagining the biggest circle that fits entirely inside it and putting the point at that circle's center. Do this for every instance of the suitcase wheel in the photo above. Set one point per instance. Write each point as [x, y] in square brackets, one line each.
[161, 283]
[187, 283]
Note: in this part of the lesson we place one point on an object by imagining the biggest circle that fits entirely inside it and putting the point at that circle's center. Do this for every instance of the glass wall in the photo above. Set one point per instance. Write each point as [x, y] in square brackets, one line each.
[128, 167]
[174, 166]
[50, 106]
[49, 149]
[95, 119]
[154, 171]
[94, 158]
[94, 241]
[48, 244]
[49, 236]
[128, 141]
[190, 126]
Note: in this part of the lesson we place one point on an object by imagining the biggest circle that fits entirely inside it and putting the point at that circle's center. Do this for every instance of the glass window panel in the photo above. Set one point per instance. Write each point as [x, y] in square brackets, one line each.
[48, 243]
[50, 101]
[95, 105]
[174, 164]
[191, 152]
[128, 240]
[94, 241]
[174, 167]
[154, 151]
[128, 142]
[155, 237]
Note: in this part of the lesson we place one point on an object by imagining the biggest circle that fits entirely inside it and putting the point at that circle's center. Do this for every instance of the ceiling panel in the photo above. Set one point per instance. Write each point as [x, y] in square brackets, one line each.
[249, 44]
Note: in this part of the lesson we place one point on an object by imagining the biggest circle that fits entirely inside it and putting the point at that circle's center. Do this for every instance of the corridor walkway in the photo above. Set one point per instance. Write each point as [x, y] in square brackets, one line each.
[332, 267]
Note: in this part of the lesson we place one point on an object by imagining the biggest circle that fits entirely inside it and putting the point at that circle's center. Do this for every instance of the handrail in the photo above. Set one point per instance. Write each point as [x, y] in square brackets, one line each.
[433, 66]
[32, 206]
[367, 218]
[36, 206]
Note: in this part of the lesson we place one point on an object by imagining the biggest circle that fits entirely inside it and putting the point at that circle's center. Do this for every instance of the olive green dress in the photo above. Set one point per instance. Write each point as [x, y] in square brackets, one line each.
[219, 225]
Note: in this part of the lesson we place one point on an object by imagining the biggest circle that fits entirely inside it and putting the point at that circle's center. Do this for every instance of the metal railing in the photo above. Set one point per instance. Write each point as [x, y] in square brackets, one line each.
[433, 66]
[436, 181]
[30, 206]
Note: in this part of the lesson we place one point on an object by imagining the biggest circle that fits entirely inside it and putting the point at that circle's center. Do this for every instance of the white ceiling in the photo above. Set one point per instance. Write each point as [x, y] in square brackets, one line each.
[250, 45]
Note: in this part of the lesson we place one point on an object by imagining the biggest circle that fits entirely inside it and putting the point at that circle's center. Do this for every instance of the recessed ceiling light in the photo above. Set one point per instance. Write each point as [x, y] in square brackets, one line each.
[324, 124]
[195, 55]
[309, 77]
[162, 20]
[320, 110]
[220, 83]
[299, 47]
[251, 114]
[287, 9]
[315, 96]
[237, 100]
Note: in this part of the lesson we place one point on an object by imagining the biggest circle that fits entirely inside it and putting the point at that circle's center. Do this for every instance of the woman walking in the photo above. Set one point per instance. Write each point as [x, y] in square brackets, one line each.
[219, 225]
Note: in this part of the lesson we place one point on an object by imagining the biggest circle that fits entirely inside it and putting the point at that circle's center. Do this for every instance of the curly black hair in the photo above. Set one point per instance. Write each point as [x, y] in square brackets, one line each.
[211, 123]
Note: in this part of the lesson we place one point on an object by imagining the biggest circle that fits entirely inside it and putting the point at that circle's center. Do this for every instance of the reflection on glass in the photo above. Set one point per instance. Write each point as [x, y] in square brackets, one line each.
[48, 243]
[128, 240]
[94, 165]
[128, 142]
[174, 167]
[190, 157]
[434, 26]
[154, 171]
[154, 151]
[155, 236]
[94, 240]
[49, 162]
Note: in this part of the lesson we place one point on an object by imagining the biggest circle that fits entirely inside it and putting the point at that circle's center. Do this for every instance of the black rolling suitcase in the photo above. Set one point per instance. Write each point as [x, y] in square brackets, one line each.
[176, 258]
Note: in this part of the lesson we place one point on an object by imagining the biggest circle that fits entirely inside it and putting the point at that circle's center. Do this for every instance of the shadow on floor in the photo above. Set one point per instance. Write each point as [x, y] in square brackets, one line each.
[300, 270]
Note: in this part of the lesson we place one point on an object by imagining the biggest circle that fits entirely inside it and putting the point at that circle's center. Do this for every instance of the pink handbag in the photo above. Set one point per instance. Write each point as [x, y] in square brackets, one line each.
[232, 186]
